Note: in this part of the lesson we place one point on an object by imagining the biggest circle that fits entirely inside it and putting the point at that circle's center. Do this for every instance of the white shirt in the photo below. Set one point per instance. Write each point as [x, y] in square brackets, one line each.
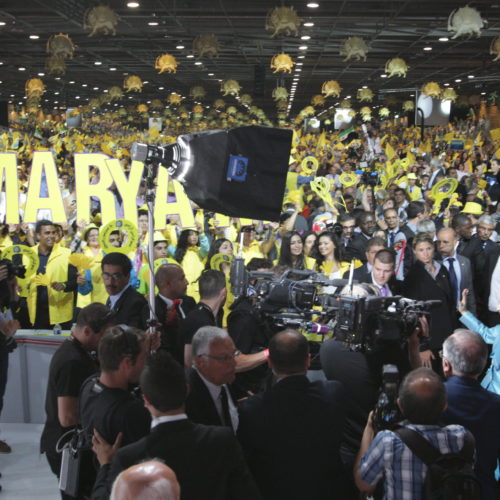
[167, 418]
[215, 391]
[494, 298]
[113, 299]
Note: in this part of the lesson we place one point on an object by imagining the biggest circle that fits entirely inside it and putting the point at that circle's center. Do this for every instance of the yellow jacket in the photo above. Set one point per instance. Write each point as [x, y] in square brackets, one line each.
[60, 303]
[98, 293]
[415, 194]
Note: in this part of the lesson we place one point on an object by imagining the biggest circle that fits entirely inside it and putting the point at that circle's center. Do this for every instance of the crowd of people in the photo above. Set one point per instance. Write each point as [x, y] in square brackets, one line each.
[227, 401]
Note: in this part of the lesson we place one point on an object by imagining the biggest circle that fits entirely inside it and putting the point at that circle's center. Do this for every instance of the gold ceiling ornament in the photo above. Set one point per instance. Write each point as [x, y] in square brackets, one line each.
[246, 99]
[431, 89]
[354, 47]
[115, 93]
[283, 20]
[34, 88]
[61, 45]
[95, 102]
[495, 48]
[133, 83]
[55, 65]
[384, 112]
[156, 104]
[465, 21]
[345, 103]
[174, 98]
[197, 92]
[365, 95]
[142, 108]
[396, 67]
[282, 105]
[352, 113]
[231, 110]
[230, 87]
[100, 20]
[366, 113]
[331, 88]
[280, 93]
[282, 62]
[198, 109]
[317, 100]
[219, 103]
[307, 111]
[408, 105]
[166, 62]
[206, 45]
[449, 94]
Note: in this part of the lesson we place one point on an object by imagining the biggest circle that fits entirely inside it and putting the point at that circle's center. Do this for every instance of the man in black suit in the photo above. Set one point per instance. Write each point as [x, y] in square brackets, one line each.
[468, 247]
[209, 401]
[207, 460]
[485, 227]
[291, 434]
[126, 302]
[372, 247]
[382, 274]
[171, 307]
[357, 245]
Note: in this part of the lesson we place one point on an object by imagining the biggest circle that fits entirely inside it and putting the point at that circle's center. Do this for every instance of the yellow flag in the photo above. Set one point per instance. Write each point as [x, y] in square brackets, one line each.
[449, 137]
[389, 151]
[495, 133]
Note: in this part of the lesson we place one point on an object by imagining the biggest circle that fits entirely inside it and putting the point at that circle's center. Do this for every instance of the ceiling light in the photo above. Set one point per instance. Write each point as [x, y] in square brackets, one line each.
[95, 88]
[412, 95]
[443, 39]
[112, 69]
[347, 96]
[300, 64]
[383, 75]
[98, 63]
[470, 76]
[365, 87]
[313, 5]
[57, 78]
[161, 88]
[198, 63]
[301, 57]
[309, 24]
[2, 23]
[483, 93]
[34, 37]
[41, 74]
[427, 49]
[153, 23]
[133, 5]
[190, 56]
[303, 47]
[145, 81]
[458, 80]
[22, 68]
[1, 63]
[72, 81]
[210, 74]
[84, 84]
[180, 47]
[298, 70]
[305, 37]
[446, 84]
[77, 97]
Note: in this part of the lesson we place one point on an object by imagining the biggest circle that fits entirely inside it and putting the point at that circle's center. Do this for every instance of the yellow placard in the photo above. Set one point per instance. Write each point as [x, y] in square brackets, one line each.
[128, 233]
[31, 262]
[8, 170]
[306, 168]
[218, 259]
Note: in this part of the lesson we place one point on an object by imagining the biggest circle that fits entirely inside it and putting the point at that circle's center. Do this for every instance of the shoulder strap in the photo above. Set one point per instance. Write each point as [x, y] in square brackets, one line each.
[418, 445]
[467, 451]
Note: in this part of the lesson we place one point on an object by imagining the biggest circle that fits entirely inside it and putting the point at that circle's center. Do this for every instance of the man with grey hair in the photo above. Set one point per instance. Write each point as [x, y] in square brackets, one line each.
[486, 233]
[151, 480]
[427, 226]
[214, 366]
[464, 358]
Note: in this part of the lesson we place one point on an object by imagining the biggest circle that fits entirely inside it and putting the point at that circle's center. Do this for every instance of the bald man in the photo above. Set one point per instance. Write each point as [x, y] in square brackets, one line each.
[465, 355]
[458, 266]
[152, 480]
[422, 400]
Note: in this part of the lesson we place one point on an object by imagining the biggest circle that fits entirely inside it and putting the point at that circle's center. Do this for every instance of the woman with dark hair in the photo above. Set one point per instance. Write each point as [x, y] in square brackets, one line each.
[427, 279]
[309, 239]
[292, 252]
[330, 260]
[221, 245]
[192, 248]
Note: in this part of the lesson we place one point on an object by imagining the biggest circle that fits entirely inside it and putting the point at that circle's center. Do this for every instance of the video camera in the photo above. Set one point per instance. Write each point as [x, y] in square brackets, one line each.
[387, 413]
[13, 269]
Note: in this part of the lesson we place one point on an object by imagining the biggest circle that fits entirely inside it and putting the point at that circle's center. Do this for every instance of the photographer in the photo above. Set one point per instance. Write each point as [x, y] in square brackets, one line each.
[8, 327]
[422, 400]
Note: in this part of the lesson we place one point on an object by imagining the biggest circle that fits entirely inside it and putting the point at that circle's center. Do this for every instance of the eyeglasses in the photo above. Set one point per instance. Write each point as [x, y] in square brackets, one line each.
[113, 277]
[223, 359]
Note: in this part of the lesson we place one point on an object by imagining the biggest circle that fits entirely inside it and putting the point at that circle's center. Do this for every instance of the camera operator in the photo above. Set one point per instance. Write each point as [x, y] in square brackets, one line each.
[8, 327]
[361, 375]
[251, 333]
[422, 400]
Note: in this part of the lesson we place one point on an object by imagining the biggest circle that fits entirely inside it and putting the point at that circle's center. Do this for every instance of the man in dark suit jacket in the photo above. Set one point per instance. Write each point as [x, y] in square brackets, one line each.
[126, 302]
[171, 307]
[291, 434]
[464, 357]
[359, 242]
[209, 400]
[207, 460]
[457, 265]
[468, 247]
[382, 273]
[372, 247]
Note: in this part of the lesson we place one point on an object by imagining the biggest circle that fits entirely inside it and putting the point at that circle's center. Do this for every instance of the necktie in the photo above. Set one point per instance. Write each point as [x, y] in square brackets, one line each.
[392, 237]
[225, 407]
[383, 291]
[453, 280]
[172, 312]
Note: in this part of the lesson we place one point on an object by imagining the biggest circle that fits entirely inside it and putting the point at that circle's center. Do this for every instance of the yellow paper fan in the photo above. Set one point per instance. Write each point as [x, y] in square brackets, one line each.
[41, 280]
[80, 261]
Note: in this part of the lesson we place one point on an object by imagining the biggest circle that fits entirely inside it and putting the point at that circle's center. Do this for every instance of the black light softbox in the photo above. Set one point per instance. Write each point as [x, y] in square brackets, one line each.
[239, 172]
